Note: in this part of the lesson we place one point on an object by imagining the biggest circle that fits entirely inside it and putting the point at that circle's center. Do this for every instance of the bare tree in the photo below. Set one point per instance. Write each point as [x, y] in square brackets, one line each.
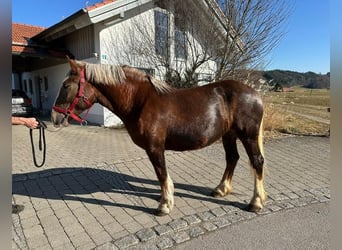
[181, 54]
[255, 27]
[185, 40]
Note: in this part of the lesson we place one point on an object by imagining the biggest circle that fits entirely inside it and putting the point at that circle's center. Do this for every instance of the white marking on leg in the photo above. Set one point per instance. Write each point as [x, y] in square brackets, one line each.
[224, 188]
[259, 195]
[167, 200]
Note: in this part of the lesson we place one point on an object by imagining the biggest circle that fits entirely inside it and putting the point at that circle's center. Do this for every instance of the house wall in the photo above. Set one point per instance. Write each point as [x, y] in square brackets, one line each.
[80, 42]
[114, 49]
[48, 80]
[115, 43]
[108, 42]
[117, 39]
[54, 76]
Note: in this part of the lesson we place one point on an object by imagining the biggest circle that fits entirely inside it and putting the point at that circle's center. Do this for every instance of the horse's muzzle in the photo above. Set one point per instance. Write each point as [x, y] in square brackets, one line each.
[59, 119]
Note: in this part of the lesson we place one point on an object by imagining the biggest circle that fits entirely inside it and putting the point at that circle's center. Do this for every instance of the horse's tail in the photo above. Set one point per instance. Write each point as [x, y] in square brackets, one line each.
[261, 144]
[261, 136]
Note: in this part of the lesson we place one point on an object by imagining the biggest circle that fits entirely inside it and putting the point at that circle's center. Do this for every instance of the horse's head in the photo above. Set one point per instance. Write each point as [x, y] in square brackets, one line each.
[75, 96]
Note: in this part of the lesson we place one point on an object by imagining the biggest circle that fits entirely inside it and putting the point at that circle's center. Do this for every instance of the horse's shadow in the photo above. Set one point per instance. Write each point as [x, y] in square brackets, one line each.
[73, 184]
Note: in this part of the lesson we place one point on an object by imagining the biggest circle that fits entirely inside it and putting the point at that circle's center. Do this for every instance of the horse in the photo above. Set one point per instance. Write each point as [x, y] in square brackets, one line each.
[159, 117]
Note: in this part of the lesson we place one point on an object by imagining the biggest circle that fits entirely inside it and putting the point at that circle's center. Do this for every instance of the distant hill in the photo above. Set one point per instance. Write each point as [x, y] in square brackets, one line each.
[288, 78]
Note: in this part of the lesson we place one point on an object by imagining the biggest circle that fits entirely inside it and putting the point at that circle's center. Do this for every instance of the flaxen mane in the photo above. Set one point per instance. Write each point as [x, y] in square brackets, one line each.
[104, 74]
[111, 74]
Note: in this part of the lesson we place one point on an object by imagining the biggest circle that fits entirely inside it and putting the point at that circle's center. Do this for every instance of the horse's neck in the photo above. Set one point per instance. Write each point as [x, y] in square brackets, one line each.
[121, 99]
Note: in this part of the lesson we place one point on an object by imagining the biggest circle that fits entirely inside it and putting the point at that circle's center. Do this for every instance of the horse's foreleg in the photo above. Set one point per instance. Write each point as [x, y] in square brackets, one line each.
[232, 156]
[254, 150]
[167, 189]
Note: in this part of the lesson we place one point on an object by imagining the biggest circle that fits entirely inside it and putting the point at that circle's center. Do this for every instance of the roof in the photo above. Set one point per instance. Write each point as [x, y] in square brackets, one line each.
[22, 42]
[22, 33]
[97, 5]
[104, 11]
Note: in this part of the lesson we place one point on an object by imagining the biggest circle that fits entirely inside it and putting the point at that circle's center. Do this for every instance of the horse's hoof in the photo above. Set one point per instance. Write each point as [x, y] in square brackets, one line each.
[216, 194]
[163, 210]
[253, 208]
[160, 213]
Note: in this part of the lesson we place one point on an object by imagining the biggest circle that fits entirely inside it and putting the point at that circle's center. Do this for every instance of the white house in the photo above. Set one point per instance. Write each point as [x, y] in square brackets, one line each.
[105, 33]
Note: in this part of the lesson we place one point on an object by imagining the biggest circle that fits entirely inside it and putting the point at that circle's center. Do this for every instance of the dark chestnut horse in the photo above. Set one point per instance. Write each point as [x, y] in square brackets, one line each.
[159, 118]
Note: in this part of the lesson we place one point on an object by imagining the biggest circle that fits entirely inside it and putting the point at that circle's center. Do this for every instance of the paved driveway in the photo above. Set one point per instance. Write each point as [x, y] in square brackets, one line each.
[98, 190]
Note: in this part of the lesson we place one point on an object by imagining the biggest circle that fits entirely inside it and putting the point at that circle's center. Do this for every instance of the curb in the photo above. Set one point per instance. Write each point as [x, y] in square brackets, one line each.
[189, 227]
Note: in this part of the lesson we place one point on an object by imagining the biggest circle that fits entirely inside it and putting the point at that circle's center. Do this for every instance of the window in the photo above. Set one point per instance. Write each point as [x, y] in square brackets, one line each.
[46, 84]
[147, 71]
[25, 85]
[180, 47]
[30, 86]
[204, 78]
[161, 33]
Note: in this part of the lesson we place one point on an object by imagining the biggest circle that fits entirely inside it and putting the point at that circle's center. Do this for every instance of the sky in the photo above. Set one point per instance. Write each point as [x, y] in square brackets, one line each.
[305, 46]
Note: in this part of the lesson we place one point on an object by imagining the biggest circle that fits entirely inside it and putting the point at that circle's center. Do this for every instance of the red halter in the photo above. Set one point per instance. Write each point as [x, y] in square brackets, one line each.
[69, 112]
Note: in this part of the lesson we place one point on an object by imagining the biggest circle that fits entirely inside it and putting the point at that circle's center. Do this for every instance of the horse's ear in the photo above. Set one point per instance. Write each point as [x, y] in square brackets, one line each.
[73, 64]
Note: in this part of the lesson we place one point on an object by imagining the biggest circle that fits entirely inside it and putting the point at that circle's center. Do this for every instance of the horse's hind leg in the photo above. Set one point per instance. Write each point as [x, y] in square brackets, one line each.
[254, 149]
[232, 156]
[167, 188]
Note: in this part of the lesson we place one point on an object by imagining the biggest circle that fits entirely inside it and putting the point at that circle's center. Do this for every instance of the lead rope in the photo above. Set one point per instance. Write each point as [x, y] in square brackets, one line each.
[42, 143]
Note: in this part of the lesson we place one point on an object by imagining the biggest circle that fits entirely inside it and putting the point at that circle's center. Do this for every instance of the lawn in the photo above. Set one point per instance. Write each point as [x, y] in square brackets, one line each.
[301, 112]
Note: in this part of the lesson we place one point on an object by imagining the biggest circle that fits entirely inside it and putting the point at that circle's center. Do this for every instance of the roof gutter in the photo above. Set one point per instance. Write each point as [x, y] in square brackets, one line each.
[82, 18]
[74, 22]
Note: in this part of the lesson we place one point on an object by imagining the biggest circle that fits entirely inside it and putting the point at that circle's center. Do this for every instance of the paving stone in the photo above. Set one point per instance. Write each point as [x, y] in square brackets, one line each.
[146, 234]
[178, 224]
[80, 239]
[246, 214]
[278, 197]
[196, 231]
[221, 222]
[180, 237]
[37, 242]
[163, 229]
[100, 237]
[286, 205]
[206, 215]
[127, 241]
[209, 226]
[233, 217]
[144, 246]
[292, 195]
[191, 219]
[218, 211]
[164, 243]
[107, 246]
[229, 209]
[264, 210]
[274, 208]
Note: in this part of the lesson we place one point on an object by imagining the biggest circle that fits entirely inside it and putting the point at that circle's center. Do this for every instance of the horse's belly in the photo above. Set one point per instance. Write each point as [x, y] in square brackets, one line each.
[181, 142]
